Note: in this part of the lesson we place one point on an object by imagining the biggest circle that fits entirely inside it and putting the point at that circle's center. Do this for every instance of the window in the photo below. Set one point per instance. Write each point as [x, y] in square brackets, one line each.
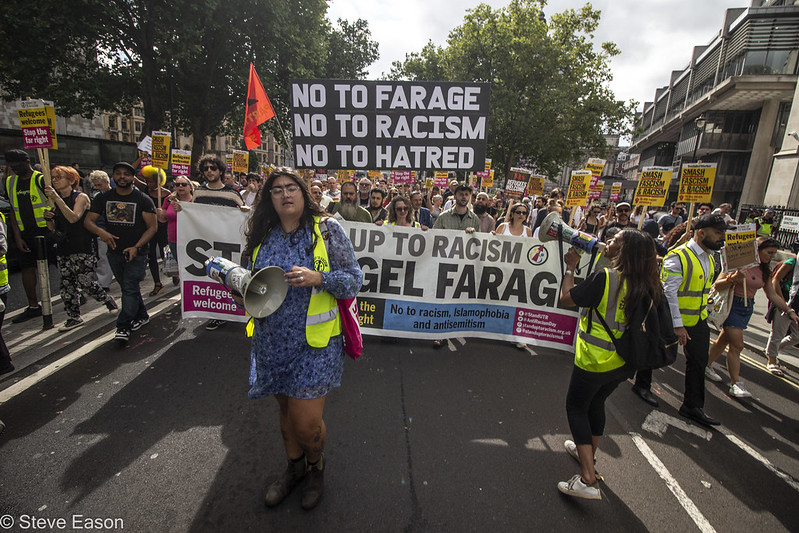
[112, 122]
[124, 124]
[138, 127]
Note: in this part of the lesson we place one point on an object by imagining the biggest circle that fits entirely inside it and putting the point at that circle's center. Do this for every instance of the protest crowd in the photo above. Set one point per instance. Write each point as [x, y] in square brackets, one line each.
[122, 224]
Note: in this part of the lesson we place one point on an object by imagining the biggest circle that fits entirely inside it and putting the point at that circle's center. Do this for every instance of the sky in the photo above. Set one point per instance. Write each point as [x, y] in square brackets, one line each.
[654, 36]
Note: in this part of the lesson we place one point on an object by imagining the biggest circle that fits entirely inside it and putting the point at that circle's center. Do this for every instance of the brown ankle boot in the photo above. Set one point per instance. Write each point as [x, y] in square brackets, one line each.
[282, 486]
[314, 484]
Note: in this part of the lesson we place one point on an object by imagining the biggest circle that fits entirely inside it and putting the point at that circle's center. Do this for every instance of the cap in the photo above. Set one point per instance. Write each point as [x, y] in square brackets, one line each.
[711, 221]
[622, 204]
[125, 165]
[770, 210]
[16, 156]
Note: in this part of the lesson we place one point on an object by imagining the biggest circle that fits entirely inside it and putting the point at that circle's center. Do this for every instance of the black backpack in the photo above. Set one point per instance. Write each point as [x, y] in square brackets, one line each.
[649, 341]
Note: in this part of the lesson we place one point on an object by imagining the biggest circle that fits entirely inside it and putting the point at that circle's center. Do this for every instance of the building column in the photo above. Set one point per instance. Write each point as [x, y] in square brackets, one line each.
[754, 188]
[782, 186]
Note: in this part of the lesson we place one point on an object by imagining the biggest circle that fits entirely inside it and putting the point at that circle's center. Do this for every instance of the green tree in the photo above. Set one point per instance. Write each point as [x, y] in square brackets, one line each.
[550, 101]
[187, 61]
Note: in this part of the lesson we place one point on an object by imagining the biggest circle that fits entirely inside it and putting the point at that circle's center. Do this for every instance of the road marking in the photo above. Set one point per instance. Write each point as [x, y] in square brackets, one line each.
[752, 452]
[28, 382]
[686, 502]
[657, 422]
[760, 366]
[491, 442]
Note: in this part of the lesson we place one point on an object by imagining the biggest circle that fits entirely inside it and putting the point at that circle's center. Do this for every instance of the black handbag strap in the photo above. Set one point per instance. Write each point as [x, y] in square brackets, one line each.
[605, 325]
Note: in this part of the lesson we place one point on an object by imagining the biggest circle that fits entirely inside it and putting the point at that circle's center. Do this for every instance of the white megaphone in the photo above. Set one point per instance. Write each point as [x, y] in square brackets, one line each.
[553, 228]
[263, 291]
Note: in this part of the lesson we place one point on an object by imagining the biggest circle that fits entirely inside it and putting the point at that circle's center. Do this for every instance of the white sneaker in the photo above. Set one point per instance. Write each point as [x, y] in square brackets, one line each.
[712, 375]
[571, 447]
[739, 390]
[575, 487]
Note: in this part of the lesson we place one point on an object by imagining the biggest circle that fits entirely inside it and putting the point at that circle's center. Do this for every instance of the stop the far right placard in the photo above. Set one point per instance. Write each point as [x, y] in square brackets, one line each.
[696, 182]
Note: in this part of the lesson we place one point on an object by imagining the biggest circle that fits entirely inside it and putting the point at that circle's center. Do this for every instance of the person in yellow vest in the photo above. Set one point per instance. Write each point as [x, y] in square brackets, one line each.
[598, 369]
[297, 352]
[5, 355]
[765, 224]
[25, 193]
[688, 273]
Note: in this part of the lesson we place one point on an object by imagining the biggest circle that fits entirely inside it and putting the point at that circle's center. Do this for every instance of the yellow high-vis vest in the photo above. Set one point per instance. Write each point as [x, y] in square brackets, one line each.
[693, 291]
[38, 200]
[594, 349]
[322, 320]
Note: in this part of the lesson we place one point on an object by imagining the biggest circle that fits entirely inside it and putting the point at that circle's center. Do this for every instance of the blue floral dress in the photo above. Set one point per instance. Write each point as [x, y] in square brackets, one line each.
[281, 361]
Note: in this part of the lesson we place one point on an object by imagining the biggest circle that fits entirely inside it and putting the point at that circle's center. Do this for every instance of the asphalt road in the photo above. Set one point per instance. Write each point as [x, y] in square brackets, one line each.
[160, 436]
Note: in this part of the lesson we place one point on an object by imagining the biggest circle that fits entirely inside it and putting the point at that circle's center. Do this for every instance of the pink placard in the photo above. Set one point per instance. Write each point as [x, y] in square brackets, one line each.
[37, 137]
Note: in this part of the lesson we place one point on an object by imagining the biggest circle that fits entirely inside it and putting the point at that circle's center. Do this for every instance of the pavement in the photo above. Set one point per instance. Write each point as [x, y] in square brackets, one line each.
[32, 347]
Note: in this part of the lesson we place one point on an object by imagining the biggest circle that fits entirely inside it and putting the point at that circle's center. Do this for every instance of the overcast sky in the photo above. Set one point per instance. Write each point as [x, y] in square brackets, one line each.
[654, 36]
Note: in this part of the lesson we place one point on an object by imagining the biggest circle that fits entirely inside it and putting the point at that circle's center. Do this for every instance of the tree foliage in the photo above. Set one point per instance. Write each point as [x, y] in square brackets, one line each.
[185, 60]
[550, 101]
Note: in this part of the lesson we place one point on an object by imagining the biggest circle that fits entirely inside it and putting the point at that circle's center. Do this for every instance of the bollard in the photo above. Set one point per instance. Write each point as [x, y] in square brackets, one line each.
[44, 282]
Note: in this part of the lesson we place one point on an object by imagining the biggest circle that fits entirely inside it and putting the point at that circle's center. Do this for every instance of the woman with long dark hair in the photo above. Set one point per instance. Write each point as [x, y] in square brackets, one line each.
[297, 352]
[614, 293]
[732, 332]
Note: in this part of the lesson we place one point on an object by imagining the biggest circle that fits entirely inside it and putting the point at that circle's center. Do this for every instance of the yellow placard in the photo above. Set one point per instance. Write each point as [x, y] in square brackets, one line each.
[374, 174]
[489, 181]
[535, 186]
[578, 188]
[160, 148]
[428, 183]
[653, 186]
[344, 176]
[696, 182]
[740, 248]
[241, 161]
[38, 113]
[596, 166]
[488, 164]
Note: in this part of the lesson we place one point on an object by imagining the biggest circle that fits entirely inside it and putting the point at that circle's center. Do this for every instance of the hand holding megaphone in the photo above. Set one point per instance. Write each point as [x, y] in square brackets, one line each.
[553, 228]
[262, 292]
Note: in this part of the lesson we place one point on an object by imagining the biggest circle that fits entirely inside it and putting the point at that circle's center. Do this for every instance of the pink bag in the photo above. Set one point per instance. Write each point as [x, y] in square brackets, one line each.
[350, 327]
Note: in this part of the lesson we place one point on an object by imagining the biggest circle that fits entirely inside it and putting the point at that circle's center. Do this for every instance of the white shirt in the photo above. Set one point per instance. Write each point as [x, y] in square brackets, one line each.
[672, 283]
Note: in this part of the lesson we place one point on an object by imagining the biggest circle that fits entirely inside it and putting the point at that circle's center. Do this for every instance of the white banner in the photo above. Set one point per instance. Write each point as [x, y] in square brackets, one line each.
[424, 284]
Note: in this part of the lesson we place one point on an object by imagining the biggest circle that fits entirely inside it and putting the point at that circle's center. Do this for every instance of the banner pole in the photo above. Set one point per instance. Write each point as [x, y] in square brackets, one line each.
[641, 220]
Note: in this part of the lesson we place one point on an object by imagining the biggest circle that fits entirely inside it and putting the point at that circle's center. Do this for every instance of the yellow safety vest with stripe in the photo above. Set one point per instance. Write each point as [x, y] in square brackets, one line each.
[595, 351]
[38, 200]
[413, 224]
[3, 262]
[764, 228]
[693, 291]
[322, 320]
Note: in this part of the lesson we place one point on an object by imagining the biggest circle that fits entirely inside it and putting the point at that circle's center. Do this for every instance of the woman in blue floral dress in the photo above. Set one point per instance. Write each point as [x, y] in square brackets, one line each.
[293, 359]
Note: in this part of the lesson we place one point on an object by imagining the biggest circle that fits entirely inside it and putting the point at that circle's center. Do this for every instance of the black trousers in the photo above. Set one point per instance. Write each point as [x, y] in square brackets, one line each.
[695, 362]
[585, 401]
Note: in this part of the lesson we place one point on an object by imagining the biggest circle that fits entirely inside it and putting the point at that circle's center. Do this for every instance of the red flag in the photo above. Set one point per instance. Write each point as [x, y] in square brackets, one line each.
[259, 110]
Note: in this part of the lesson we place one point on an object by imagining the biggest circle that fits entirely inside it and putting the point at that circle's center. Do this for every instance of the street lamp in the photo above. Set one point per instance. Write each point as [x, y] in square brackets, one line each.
[699, 123]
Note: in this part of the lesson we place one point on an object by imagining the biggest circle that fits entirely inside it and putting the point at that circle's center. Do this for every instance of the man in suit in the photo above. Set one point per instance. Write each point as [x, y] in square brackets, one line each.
[421, 214]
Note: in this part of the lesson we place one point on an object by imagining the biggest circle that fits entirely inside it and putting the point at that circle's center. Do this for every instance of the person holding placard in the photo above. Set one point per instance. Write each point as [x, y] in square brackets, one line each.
[743, 305]
[784, 325]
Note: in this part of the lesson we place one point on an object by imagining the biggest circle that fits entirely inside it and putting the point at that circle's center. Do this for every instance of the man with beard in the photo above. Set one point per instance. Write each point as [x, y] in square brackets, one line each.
[130, 223]
[688, 274]
[459, 216]
[376, 198]
[487, 222]
[622, 217]
[348, 207]
[420, 214]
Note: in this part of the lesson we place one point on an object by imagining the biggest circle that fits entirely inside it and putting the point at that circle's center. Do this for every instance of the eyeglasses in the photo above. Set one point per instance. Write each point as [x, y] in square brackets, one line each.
[286, 190]
[400, 209]
[365, 185]
[206, 168]
[623, 210]
[181, 184]
[523, 213]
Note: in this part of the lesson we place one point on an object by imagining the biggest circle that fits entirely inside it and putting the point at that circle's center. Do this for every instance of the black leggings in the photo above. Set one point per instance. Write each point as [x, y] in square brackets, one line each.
[159, 239]
[585, 401]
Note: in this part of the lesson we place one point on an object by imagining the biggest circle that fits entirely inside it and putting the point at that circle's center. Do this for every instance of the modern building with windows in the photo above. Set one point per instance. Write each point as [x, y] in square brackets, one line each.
[733, 106]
